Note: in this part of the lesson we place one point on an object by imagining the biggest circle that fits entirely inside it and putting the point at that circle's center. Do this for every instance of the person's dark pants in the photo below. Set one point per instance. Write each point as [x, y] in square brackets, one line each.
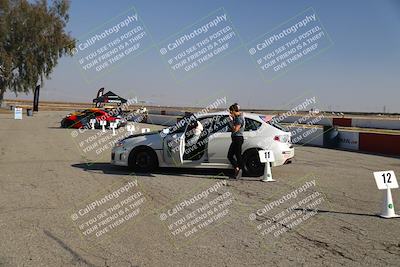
[235, 152]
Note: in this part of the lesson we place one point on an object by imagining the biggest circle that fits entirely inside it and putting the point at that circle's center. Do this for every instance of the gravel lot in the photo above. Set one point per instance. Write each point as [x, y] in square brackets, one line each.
[45, 179]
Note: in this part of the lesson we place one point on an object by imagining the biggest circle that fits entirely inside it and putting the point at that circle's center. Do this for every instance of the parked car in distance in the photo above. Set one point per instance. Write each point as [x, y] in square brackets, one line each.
[81, 119]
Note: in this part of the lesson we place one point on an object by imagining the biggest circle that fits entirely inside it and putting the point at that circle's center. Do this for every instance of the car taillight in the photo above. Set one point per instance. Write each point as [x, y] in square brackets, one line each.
[282, 138]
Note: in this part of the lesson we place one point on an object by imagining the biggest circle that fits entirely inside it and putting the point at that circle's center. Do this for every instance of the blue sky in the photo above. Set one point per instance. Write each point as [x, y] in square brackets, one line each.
[360, 72]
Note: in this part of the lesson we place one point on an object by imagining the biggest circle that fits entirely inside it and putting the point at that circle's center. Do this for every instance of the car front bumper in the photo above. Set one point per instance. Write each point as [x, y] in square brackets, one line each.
[119, 156]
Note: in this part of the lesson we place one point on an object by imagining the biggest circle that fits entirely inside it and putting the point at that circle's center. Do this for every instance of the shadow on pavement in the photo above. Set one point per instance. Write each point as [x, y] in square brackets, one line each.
[108, 168]
[339, 212]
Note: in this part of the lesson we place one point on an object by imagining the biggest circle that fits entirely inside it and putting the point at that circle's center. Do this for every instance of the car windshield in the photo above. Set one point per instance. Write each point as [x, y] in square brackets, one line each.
[180, 126]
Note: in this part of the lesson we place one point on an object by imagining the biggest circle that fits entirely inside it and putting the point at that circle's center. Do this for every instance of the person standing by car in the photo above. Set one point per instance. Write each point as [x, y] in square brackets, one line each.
[235, 149]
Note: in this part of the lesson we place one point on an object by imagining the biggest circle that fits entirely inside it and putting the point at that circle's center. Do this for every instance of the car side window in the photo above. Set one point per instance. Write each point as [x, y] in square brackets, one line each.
[251, 125]
[179, 127]
[206, 122]
[221, 124]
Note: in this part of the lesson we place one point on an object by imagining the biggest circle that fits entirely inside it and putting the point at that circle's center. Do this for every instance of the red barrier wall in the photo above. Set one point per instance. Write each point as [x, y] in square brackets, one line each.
[345, 122]
[380, 143]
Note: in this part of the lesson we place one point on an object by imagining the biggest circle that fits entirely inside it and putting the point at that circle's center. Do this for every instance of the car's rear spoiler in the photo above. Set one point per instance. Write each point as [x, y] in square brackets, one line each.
[267, 118]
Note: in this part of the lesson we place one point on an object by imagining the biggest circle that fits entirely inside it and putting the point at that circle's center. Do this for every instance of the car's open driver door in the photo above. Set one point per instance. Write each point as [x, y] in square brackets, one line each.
[174, 148]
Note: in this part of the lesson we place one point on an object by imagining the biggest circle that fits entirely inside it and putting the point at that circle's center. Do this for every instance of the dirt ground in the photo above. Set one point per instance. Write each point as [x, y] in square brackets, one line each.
[47, 182]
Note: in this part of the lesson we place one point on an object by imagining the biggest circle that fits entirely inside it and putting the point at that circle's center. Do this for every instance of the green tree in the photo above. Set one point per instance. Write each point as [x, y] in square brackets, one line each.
[32, 39]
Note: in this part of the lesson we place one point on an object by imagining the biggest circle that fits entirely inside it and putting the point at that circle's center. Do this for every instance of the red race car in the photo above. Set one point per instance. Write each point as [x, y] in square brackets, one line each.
[81, 119]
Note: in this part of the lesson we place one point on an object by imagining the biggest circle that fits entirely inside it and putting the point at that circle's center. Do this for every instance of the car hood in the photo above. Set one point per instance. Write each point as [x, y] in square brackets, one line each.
[142, 134]
[151, 139]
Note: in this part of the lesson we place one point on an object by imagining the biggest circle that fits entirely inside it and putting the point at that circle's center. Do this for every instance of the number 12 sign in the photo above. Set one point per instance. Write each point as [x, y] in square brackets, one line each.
[386, 179]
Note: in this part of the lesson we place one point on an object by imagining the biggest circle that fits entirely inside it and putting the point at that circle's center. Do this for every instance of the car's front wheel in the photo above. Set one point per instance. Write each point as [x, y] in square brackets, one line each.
[66, 123]
[252, 165]
[143, 159]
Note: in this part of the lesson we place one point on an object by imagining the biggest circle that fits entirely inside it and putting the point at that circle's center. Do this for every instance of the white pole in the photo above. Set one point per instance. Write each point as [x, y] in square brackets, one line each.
[92, 122]
[103, 125]
[113, 125]
[130, 128]
[388, 207]
[267, 173]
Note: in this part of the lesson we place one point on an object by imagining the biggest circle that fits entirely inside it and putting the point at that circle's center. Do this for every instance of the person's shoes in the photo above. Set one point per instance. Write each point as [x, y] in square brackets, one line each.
[239, 174]
[233, 176]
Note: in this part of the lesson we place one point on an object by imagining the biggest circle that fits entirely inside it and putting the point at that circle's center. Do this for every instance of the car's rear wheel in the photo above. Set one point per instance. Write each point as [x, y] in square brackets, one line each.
[252, 165]
[143, 159]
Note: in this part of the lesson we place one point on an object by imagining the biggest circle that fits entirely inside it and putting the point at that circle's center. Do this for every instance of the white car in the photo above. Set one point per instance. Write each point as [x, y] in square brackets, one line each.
[174, 146]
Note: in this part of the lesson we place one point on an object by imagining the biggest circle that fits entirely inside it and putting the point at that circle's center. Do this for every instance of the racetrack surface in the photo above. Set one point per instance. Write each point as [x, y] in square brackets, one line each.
[45, 178]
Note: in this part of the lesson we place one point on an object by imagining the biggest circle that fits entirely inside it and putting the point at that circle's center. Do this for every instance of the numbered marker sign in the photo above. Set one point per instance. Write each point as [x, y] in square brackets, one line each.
[386, 179]
[92, 122]
[266, 156]
[103, 126]
[130, 128]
